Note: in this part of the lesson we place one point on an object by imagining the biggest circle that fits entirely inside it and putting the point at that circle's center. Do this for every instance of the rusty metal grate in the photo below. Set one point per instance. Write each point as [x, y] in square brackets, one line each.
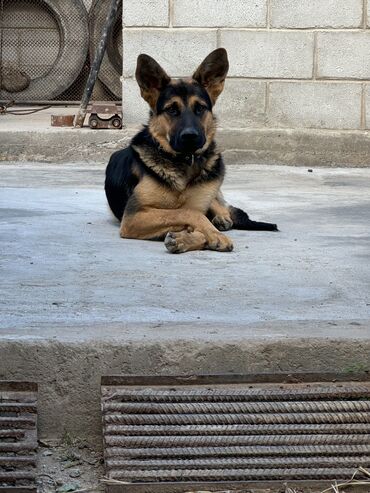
[18, 436]
[233, 430]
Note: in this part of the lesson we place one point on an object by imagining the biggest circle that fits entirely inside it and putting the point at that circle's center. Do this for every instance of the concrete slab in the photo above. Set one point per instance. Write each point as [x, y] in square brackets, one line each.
[78, 302]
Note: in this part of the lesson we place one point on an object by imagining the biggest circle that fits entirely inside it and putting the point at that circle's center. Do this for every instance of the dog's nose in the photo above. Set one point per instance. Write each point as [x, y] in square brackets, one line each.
[189, 135]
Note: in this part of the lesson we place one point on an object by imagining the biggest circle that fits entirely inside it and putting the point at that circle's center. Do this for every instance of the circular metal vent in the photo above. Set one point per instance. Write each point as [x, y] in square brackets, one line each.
[47, 42]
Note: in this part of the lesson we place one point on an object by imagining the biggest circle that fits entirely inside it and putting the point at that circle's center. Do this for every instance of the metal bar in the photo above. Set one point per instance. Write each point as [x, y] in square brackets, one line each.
[222, 441]
[11, 433]
[18, 422]
[16, 461]
[250, 451]
[95, 66]
[15, 475]
[233, 474]
[219, 430]
[18, 447]
[186, 419]
[18, 407]
[269, 393]
[243, 463]
[239, 407]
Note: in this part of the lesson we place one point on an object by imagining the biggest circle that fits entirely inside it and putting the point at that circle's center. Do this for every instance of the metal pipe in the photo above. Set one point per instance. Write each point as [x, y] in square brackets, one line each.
[95, 67]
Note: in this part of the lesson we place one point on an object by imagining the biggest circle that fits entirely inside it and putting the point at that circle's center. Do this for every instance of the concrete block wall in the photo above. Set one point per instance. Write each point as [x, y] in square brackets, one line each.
[293, 63]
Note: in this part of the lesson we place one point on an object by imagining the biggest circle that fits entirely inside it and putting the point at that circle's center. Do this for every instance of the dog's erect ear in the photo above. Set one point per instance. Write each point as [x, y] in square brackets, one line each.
[212, 73]
[151, 78]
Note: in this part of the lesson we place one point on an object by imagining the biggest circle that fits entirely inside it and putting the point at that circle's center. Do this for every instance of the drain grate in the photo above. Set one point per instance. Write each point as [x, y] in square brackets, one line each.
[233, 430]
[18, 436]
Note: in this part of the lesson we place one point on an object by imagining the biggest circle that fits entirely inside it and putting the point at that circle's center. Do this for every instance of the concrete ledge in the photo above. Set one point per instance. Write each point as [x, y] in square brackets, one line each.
[303, 147]
[68, 364]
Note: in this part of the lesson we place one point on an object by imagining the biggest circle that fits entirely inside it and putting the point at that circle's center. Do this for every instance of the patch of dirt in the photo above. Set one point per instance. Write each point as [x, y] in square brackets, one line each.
[68, 466]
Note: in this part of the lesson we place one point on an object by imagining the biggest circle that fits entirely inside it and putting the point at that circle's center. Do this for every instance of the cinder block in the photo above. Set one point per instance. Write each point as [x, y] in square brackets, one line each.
[343, 55]
[271, 54]
[179, 51]
[367, 105]
[225, 13]
[316, 13]
[315, 105]
[242, 104]
[134, 109]
[145, 13]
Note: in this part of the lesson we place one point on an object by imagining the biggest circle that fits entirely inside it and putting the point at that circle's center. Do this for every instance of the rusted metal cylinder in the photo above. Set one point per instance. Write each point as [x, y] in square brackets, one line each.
[14, 475]
[240, 463]
[249, 451]
[16, 461]
[17, 407]
[321, 392]
[233, 474]
[17, 422]
[194, 430]
[239, 407]
[286, 418]
[221, 441]
[18, 447]
[11, 433]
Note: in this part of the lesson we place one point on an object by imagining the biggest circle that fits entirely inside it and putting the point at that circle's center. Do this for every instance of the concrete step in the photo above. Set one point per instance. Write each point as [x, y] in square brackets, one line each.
[31, 138]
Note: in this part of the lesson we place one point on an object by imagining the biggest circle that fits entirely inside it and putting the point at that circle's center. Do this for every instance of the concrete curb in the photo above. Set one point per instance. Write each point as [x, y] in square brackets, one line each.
[303, 147]
[68, 367]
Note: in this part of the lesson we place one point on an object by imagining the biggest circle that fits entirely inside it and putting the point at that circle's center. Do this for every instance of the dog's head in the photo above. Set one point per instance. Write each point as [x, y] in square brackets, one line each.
[181, 111]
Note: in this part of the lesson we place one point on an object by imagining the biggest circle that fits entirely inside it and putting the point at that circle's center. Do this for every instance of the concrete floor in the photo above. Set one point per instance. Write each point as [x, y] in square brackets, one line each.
[64, 263]
[290, 301]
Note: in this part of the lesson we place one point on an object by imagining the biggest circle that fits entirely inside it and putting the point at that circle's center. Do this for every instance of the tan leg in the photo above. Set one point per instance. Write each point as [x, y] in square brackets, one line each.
[156, 223]
[220, 214]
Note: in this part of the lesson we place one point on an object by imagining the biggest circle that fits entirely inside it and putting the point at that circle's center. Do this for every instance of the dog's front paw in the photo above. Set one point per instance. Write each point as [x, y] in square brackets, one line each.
[173, 243]
[184, 241]
[222, 223]
[219, 242]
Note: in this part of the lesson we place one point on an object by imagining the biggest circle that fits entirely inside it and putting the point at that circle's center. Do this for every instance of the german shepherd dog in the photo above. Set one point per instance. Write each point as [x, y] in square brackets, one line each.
[166, 184]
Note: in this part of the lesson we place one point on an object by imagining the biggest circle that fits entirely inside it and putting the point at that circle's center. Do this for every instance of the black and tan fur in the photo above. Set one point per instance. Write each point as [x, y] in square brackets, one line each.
[166, 184]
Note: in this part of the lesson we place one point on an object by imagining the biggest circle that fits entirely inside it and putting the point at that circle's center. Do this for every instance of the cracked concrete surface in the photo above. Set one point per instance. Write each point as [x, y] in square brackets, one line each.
[77, 301]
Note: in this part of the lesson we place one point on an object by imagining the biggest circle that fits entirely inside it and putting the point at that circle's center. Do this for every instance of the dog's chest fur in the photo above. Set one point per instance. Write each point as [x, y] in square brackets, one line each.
[191, 186]
[153, 194]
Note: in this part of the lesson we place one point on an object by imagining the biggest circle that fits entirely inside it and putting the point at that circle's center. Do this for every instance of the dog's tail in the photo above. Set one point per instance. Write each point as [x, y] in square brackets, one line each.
[241, 221]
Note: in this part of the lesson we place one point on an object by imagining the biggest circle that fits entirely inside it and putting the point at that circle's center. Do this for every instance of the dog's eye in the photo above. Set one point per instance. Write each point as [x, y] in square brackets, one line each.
[173, 110]
[199, 109]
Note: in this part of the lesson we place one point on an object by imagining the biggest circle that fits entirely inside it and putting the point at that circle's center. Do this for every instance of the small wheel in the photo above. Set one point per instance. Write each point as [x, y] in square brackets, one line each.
[117, 122]
[93, 122]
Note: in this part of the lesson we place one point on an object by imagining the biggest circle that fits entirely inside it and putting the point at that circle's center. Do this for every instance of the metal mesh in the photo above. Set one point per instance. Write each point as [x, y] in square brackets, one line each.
[46, 47]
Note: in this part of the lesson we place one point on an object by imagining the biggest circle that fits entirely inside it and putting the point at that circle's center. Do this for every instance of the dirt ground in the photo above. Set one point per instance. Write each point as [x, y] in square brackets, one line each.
[68, 466]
